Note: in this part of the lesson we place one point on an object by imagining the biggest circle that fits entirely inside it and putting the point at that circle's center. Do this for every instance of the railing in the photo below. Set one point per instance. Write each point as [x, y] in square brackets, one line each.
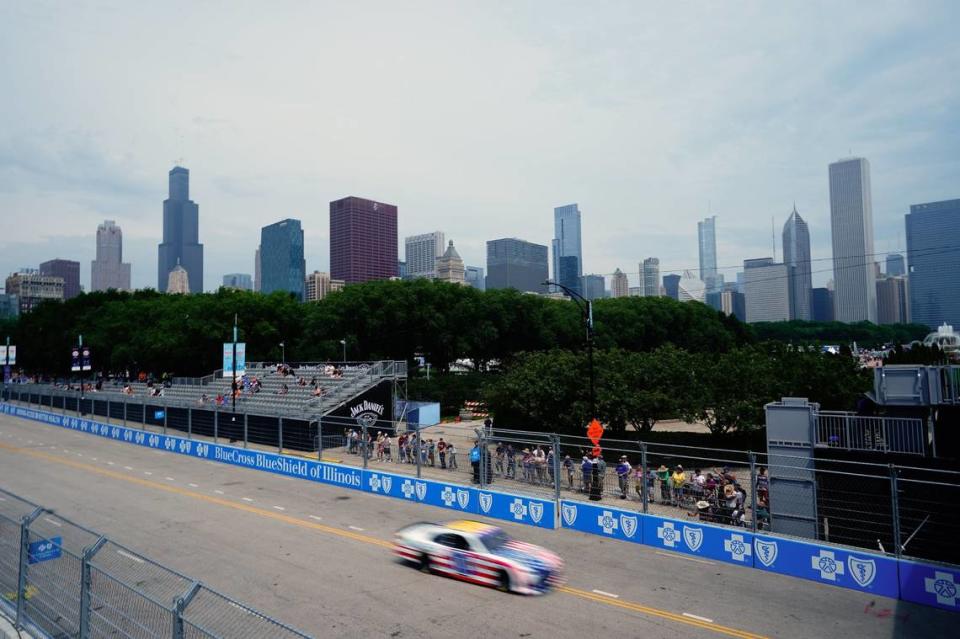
[60, 579]
[850, 431]
[950, 384]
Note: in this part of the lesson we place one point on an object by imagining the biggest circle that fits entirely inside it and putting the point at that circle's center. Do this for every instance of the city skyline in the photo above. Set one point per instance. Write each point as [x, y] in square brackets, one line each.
[63, 171]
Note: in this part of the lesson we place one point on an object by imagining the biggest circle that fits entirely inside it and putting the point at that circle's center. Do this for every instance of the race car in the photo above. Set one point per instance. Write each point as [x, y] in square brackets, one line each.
[481, 554]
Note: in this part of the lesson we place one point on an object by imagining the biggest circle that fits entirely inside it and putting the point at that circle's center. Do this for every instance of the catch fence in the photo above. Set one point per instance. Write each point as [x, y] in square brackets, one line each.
[60, 579]
[895, 508]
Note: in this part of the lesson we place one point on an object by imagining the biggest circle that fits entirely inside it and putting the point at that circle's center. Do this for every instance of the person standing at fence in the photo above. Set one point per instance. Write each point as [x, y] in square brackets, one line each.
[386, 448]
[511, 455]
[475, 461]
[452, 455]
[442, 452]
[551, 471]
[623, 475]
[402, 448]
[526, 465]
[432, 452]
[499, 456]
[679, 478]
[568, 467]
[663, 474]
[586, 471]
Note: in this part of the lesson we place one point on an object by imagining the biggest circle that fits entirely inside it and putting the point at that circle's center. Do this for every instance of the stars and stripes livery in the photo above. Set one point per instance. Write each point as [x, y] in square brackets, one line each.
[481, 554]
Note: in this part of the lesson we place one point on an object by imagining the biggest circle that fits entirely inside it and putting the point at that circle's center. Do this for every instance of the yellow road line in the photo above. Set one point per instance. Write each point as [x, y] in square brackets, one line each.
[619, 603]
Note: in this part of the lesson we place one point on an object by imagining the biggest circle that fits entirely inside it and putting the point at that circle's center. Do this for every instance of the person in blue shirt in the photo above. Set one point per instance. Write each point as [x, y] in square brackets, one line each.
[475, 461]
[623, 475]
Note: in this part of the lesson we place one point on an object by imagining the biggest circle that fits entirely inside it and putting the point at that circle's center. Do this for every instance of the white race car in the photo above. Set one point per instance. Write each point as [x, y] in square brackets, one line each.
[481, 554]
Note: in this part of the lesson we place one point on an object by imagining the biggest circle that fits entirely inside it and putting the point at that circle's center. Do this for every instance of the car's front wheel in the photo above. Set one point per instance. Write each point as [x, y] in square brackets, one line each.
[424, 562]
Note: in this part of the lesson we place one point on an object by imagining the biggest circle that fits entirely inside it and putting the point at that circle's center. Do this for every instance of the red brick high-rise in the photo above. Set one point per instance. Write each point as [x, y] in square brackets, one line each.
[363, 240]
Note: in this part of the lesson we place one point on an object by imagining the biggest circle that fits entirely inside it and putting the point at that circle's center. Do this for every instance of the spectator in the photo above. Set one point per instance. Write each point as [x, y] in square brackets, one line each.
[402, 448]
[379, 446]
[526, 465]
[586, 471]
[601, 469]
[511, 455]
[452, 455]
[568, 467]
[679, 478]
[623, 475]
[539, 463]
[763, 482]
[386, 448]
[475, 461]
[442, 452]
[550, 466]
[499, 456]
[432, 452]
[663, 474]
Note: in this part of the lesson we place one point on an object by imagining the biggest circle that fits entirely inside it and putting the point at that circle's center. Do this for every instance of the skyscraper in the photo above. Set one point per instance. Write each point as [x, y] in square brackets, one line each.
[594, 287]
[895, 265]
[181, 233]
[567, 247]
[671, 286]
[650, 276]
[450, 267]
[893, 303]
[933, 263]
[239, 281]
[257, 274]
[281, 258]
[473, 276]
[707, 236]
[68, 270]
[178, 280]
[766, 290]
[619, 285]
[109, 270]
[851, 224]
[318, 285]
[29, 288]
[363, 240]
[513, 263]
[822, 304]
[422, 252]
[796, 256]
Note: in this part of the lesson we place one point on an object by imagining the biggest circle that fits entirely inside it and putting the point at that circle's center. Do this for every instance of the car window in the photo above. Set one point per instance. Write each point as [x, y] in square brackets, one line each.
[452, 541]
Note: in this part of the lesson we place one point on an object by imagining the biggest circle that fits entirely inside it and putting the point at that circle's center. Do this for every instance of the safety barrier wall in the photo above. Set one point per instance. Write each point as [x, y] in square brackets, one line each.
[918, 582]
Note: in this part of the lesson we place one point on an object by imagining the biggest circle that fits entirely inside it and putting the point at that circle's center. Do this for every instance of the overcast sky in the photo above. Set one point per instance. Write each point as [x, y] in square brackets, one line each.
[474, 118]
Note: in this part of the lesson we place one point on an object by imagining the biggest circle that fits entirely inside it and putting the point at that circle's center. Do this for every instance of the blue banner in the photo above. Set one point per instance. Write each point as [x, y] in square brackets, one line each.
[517, 508]
[692, 537]
[930, 584]
[44, 550]
[586, 517]
[858, 570]
[432, 493]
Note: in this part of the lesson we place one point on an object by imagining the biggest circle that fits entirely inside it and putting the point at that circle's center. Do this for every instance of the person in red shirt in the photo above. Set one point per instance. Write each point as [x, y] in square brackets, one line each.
[442, 451]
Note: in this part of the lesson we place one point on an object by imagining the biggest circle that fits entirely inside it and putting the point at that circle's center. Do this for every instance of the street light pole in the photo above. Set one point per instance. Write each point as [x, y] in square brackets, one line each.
[343, 343]
[283, 352]
[233, 365]
[586, 309]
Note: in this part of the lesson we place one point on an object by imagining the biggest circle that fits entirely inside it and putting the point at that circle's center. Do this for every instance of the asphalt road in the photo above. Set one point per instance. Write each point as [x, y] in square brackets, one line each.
[317, 557]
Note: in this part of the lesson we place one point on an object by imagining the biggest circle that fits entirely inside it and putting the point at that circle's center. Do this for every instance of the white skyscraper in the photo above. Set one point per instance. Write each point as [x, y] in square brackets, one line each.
[109, 270]
[619, 285]
[851, 223]
[766, 290]
[422, 252]
[650, 276]
[707, 240]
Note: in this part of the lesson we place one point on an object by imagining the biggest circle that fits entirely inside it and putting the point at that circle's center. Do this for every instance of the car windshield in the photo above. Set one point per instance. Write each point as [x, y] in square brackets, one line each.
[495, 540]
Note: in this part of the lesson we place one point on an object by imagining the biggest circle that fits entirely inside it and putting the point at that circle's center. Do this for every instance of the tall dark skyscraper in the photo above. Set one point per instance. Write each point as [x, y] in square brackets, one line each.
[895, 265]
[282, 266]
[671, 286]
[363, 240]
[821, 305]
[181, 234]
[513, 263]
[68, 270]
[567, 247]
[933, 263]
[796, 256]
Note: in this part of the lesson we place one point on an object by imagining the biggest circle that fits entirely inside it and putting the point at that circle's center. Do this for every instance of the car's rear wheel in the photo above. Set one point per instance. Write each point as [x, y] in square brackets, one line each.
[503, 581]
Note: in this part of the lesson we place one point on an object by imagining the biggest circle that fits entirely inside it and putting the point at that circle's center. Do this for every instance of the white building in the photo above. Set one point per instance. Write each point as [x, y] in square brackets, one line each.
[318, 285]
[178, 281]
[851, 225]
[691, 288]
[619, 285]
[650, 277]
[109, 270]
[422, 252]
[450, 266]
[766, 290]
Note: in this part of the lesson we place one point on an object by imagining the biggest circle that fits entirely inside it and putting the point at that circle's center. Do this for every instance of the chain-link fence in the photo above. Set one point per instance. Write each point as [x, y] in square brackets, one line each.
[60, 579]
[899, 509]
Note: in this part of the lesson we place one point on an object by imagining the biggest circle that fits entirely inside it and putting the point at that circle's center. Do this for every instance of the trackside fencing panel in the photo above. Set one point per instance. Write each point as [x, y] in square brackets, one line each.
[923, 583]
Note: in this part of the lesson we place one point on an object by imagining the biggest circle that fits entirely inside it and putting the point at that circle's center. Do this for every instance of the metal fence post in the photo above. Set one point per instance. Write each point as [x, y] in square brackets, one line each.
[143, 415]
[85, 583]
[24, 562]
[319, 440]
[109, 416]
[482, 443]
[644, 491]
[416, 450]
[179, 605]
[753, 487]
[280, 436]
[246, 431]
[189, 423]
[164, 415]
[124, 412]
[895, 509]
[216, 421]
[363, 444]
[555, 443]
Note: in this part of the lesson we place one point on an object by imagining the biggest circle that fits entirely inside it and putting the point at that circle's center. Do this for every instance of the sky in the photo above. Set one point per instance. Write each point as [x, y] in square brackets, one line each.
[473, 118]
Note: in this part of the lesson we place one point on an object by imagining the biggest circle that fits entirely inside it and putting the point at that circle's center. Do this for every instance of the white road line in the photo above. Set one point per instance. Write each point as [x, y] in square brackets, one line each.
[315, 517]
[109, 463]
[127, 468]
[279, 508]
[51, 521]
[219, 492]
[79, 454]
[193, 486]
[697, 617]
[357, 528]
[129, 556]
[147, 472]
[169, 478]
[675, 556]
[606, 594]
[246, 499]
